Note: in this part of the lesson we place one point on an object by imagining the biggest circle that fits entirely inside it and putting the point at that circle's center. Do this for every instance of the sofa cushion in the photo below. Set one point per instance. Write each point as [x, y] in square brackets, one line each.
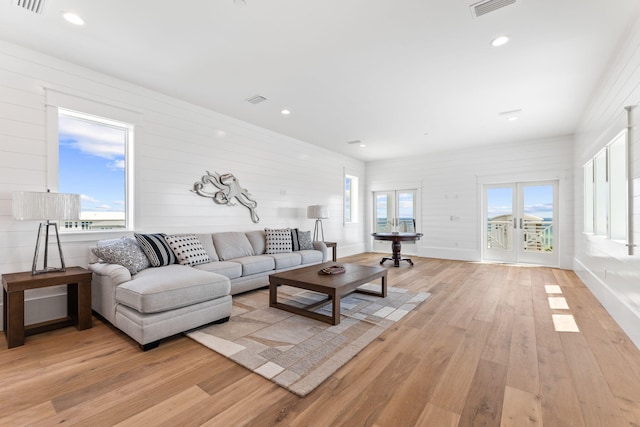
[291, 259]
[256, 264]
[232, 244]
[156, 249]
[207, 244]
[310, 256]
[258, 242]
[305, 241]
[188, 249]
[125, 252]
[278, 240]
[159, 289]
[230, 269]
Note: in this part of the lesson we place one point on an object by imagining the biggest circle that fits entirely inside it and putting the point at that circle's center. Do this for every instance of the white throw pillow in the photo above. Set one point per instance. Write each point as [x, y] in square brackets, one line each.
[278, 240]
[187, 249]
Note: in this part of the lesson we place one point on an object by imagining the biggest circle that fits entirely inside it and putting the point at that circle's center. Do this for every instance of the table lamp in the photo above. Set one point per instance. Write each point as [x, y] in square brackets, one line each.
[46, 207]
[317, 212]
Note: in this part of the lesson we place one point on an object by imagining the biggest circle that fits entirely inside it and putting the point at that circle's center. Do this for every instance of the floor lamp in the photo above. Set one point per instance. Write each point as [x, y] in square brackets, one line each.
[46, 207]
[317, 212]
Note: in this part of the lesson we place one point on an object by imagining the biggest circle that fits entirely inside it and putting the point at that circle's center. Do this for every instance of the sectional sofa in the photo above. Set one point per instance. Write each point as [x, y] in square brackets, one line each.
[152, 286]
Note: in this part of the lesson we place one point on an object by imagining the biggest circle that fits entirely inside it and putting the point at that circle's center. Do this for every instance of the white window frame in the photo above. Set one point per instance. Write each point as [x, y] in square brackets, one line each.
[109, 113]
[354, 199]
[605, 191]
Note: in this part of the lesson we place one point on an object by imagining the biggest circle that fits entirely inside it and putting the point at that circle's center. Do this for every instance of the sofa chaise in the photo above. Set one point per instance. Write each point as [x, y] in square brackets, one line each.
[156, 286]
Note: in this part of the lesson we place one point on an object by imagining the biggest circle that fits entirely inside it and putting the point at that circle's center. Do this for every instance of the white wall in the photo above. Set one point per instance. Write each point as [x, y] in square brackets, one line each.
[604, 265]
[451, 187]
[176, 143]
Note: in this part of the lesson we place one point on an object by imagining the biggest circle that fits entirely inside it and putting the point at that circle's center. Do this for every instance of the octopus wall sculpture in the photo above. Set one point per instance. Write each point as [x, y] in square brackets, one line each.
[228, 189]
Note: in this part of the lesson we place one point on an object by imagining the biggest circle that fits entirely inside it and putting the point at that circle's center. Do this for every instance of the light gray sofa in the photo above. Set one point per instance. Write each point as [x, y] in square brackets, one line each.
[158, 302]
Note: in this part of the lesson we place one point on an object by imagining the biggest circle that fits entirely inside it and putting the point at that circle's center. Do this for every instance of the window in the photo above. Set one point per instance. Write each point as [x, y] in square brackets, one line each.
[588, 197]
[92, 162]
[601, 196]
[605, 191]
[618, 188]
[350, 199]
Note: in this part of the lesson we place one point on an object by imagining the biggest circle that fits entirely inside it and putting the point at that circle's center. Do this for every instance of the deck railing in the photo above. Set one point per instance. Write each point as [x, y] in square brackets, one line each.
[537, 235]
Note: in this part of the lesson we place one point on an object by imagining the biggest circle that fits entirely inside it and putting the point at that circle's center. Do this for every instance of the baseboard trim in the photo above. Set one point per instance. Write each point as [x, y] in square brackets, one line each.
[625, 315]
[449, 253]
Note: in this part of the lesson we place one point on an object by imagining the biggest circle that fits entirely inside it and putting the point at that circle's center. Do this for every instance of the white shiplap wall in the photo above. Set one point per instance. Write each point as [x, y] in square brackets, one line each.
[451, 187]
[176, 143]
[604, 265]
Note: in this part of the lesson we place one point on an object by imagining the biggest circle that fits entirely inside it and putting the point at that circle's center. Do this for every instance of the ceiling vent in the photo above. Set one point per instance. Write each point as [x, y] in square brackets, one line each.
[488, 6]
[256, 99]
[35, 6]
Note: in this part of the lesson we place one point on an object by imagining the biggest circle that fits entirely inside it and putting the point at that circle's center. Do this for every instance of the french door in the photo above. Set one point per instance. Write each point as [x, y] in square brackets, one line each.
[394, 210]
[520, 223]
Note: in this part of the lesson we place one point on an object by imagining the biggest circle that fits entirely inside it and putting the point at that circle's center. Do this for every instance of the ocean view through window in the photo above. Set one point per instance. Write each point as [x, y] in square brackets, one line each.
[92, 162]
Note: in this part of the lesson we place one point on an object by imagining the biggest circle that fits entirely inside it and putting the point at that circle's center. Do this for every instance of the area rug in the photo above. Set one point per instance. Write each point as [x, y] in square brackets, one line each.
[296, 352]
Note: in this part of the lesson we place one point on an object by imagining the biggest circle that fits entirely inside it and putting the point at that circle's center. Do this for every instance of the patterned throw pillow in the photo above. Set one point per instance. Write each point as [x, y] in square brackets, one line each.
[124, 252]
[304, 239]
[278, 240]
[156, 249]
[295, 245]
[188, 249]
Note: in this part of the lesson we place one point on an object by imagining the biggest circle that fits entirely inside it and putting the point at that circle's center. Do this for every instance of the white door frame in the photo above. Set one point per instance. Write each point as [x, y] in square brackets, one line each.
[409, 248]
[508, 244]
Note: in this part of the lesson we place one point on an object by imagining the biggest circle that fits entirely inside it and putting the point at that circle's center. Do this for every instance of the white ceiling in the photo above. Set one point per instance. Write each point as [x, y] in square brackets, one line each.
[403, 76]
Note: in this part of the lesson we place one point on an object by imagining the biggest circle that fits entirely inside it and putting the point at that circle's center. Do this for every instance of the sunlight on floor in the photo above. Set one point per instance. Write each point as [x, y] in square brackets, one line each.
[552, 289]
[558, 303]
[564, 323]
[561, 322]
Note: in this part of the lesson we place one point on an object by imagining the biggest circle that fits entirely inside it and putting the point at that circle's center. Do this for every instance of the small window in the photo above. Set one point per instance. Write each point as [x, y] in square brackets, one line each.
[605, 191]
[588, 197]
[601, 196]
[618, 188]
[92, 162]
[350, 199]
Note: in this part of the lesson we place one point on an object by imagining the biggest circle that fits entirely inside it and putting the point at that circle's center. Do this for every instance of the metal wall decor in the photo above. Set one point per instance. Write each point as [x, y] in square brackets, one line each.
[229, 189]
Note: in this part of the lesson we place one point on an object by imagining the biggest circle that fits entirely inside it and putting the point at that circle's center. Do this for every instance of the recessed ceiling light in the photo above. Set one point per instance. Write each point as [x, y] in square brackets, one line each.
[73, 18]
[363, 145]
[512, 119]
[285, 112]
[499, 41]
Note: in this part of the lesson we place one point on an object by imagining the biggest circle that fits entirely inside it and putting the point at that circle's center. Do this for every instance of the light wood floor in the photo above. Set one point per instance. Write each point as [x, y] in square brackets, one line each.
[481, 351]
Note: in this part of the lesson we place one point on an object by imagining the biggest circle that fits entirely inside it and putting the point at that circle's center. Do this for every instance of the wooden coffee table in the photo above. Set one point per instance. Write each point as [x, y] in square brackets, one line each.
[334, 286]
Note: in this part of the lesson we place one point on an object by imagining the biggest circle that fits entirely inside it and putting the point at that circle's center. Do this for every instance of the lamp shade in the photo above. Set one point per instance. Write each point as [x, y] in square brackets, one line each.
[317, 212]
[45, 206]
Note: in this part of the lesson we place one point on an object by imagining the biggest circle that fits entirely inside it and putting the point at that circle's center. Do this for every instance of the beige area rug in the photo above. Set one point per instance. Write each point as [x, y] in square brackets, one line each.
[296, 352]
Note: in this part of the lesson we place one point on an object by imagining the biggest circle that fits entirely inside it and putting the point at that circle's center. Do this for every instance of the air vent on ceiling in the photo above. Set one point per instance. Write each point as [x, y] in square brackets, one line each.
[256, 99]
[35, 6]
[488, 6]
[355, 141]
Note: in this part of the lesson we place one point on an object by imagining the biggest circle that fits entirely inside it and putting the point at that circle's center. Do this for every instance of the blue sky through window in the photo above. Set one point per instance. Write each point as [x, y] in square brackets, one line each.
[92, 163]
[538, 201]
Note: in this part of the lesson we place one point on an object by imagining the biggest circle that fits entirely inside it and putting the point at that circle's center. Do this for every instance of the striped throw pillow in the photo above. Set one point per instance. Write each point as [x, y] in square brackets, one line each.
[156, 249]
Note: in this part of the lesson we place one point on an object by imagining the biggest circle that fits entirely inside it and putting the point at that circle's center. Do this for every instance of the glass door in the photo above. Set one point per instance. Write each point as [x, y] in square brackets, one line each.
[393, 211]
[537, 223]
[519, 223]
[501, 223]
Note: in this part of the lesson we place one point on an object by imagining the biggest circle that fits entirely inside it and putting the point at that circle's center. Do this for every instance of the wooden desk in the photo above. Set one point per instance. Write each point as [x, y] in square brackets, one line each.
[395, 239]
[78, 281]
[334, 246]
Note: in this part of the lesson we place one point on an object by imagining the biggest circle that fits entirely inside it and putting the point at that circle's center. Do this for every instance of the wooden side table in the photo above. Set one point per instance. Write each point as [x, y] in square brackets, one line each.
[334, 246]
[78, 281]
